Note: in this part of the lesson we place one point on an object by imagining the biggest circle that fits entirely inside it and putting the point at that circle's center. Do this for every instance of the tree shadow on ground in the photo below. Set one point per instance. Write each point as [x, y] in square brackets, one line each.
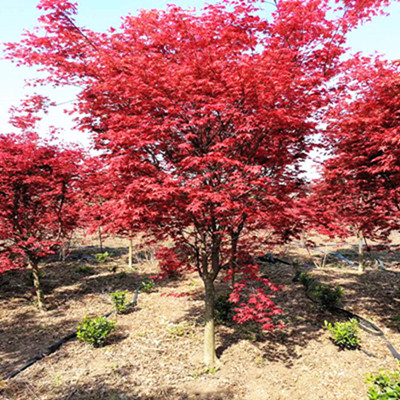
[100, 389]
[25, 335]
[374, 293]
[72, 279]
[107, 392]
[25, 332]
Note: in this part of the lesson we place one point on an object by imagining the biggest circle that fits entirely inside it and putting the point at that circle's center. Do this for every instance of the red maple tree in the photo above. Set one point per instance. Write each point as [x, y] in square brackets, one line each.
[359, 191]
[203, 119]
[39, 201]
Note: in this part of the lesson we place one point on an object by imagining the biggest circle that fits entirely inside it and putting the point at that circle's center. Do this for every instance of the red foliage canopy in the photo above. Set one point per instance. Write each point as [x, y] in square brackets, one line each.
[38, 198]
[203, 118]
[359, 192]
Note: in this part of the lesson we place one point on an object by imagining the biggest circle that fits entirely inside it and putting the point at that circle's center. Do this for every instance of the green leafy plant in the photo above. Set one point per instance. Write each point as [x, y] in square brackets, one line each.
[102, 257]
[95, 330]
[206, 370]
[384, 385]
[328, 295]
[147, 286]
[119, 300]
[306, 279]
[344, 334]
[84, 269]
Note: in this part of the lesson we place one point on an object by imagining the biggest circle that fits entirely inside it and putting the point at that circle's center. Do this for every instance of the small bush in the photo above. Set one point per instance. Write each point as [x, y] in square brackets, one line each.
[223, 309]
[147, 286]
[95, 330]
[84, 269]
[102, 257]
[384, 385]
[344, 334]
[119, 300]
[328, 295]
[306, 280]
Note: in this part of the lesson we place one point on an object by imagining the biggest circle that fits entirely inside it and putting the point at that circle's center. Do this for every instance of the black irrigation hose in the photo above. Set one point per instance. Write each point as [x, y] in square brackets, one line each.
[271, 259]
[54, 347]
[368, 326]
[51, 349]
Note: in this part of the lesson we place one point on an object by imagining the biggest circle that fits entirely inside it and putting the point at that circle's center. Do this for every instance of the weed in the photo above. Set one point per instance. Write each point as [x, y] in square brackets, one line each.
[102, 257]
[210, 370]
[143, 334]
[147, 286]
[58, 379]
[344, 334]
[181, 329]
[119, 300]
[84, 269]
[206, 370]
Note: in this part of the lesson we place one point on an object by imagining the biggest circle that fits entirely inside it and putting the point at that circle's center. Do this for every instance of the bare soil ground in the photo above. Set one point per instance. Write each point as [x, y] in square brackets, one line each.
[156, 352]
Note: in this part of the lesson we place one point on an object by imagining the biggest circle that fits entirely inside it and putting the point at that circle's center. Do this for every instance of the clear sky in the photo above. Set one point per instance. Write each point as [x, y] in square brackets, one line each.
[382, 35]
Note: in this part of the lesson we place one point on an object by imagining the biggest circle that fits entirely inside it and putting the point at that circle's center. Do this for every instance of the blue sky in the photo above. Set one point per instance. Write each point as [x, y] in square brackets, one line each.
[381, 35]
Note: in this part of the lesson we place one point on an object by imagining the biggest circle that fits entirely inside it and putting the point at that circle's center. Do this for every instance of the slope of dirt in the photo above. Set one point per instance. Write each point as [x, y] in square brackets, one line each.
[156, 351]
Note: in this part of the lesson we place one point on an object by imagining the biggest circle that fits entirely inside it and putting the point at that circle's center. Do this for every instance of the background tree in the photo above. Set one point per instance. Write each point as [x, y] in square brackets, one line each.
[358, 193]
[39, 201]
[203, 118]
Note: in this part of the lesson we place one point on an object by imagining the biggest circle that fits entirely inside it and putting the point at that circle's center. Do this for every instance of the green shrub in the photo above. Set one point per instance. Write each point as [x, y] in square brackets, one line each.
[119, 300]
[147, 286]
[306, 280]
[84, 269]
[344, 334]
[102, 257]
[223, 309]
[327, 295]
[384, 385]
[95, 330]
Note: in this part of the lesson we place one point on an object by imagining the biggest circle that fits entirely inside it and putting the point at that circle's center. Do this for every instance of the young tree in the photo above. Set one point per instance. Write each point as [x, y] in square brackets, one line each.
[38, 201]
[203, 118]
[359, 191]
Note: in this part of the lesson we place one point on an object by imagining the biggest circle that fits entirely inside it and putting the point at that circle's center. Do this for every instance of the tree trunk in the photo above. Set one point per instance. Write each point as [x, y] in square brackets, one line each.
[304, 243]
[100, 240]
[234, 240]
[360, 252]
[209, 331]
[130, 259]
[36, 284]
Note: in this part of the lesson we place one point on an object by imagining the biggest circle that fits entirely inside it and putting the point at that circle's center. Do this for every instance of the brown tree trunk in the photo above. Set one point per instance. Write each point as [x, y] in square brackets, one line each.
[209, 331]
[130, 256]
[37, 285]
[234, 241]
[100, 240]
[361, 266]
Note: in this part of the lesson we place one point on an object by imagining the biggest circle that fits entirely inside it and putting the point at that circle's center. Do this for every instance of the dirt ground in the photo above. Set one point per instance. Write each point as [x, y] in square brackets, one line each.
[156, 351]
